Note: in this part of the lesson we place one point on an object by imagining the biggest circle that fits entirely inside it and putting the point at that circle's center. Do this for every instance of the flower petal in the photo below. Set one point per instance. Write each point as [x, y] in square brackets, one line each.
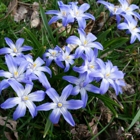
[5, 50]
[32, 108]
[55, 115]
[43, 79]
[73, 40]
[66, 92]
[84, 97]
[10, 43]
[46, 106]
[17, 87]
[5, 74]
[19, 43]
[67, 116]
[84, 7]
[71, 79]
[73, 104]
[104, 86]
[75, 90]
[11, 102]
[51, 92]
[92, 88]
[28, 88]
[37, 96]
[12, 66]
[20, 111]
[44, 69]
[26, 48]
[4, 84]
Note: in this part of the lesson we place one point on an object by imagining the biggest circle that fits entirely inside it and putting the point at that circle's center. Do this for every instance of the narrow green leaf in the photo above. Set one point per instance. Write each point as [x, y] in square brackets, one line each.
[46, 25]
[135, 119]
[40, 52]
[47, 127]
[33, 38]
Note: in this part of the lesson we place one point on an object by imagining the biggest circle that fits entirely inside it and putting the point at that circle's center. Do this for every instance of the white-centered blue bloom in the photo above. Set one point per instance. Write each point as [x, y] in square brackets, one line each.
[89, 65]
[131, 26]
[15, 49]
[35, 70]
[60, 105]
[24, 99]
[68, 14]
[67, 58]
[128, 9]
[85, 43]
[53, 55]
[115, 10]
[63, 13]
[109, 75]
[81, 87]
[79, 14]
[17, 73]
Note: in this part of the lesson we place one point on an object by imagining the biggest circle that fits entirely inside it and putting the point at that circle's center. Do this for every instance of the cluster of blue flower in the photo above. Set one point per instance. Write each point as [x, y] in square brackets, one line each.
[126, 13]
[23, 69]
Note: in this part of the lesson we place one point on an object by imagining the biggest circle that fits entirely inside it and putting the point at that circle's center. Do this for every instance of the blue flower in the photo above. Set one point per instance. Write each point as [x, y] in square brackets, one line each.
[24, 99]
[15, 49]
[81, 87]
[67, 57]
[114, 10]
[60, 105]
[68, 14]
[85, 43]
[79, 14]
[53, 54]
[16, 73]
[35, 70]
[128, 9]
[109, 75]
[63, 14]
[131, 25]
[89, 65]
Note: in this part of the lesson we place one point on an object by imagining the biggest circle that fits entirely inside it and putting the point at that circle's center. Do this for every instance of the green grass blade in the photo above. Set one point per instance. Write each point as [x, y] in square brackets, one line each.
[135, 119]
[47, 27]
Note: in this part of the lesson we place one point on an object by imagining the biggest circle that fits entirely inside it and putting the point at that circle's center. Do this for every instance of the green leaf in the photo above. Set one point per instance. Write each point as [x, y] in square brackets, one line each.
[48, 126]
[46, 25]
[40, 51]
[135, 119]
[33, 38]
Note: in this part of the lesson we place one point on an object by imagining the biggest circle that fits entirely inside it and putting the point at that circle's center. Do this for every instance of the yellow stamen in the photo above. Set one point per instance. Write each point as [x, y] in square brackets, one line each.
[115, 9]
[108, 74]
[77, 13]
[25, 98]
[16, 73]
[91, 66]
[68, 57]
[34, 65]
[134, 28]
[85, 42]
[53, 53]
[127, 8]
[59, 104]
[63, 13]
[15, 50]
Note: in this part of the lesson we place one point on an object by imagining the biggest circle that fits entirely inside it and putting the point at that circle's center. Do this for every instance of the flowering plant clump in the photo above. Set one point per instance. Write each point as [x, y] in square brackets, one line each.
[74, 72]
